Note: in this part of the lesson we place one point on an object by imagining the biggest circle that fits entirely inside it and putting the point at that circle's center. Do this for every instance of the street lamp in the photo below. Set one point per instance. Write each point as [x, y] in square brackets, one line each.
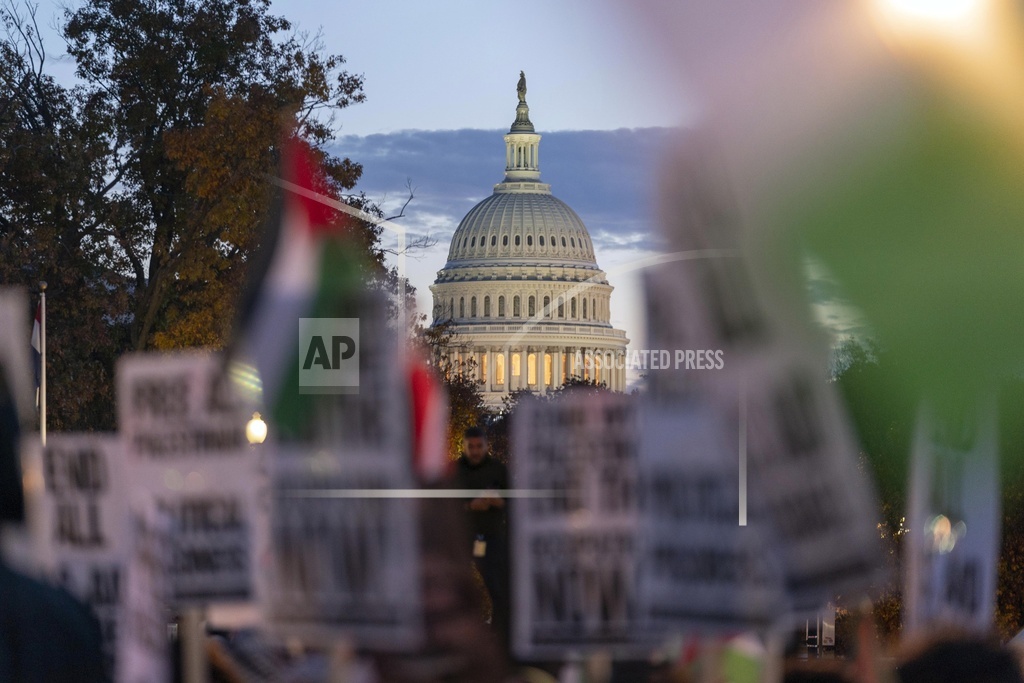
[256, 429]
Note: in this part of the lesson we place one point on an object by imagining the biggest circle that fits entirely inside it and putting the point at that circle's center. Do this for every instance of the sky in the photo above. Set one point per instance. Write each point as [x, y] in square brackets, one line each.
[440, 82]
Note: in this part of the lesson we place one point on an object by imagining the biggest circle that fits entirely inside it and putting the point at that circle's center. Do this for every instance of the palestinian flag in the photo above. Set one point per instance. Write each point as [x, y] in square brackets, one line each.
[305, 267]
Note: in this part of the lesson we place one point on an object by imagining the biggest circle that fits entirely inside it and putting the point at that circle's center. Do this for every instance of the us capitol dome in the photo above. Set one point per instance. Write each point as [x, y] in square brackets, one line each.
[521, 291]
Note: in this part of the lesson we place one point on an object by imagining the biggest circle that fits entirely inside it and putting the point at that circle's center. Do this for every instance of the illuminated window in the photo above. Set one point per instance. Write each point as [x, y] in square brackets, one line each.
[483, 367]
[531, 368]
[548, 369]
[515, 365]
[499, 368]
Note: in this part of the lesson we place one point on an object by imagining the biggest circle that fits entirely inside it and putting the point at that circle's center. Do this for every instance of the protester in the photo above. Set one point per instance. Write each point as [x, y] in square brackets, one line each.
[959, 659]
[477, 470]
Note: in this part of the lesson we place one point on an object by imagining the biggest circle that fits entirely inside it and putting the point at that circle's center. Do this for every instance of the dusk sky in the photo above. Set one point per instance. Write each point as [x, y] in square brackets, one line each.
[440, 92]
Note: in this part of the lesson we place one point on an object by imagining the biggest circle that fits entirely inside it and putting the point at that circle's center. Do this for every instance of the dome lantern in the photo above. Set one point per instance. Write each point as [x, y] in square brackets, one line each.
[522, 143]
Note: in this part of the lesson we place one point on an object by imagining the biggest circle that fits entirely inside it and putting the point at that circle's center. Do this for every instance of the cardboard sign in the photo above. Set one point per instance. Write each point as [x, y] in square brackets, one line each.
[184, 438]
[701, 571]
[84, 510]
[954, 521]
[143, 648]
[574, 552]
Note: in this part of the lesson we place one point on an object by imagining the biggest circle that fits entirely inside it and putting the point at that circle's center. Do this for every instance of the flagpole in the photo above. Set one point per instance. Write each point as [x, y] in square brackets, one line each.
[42, 361]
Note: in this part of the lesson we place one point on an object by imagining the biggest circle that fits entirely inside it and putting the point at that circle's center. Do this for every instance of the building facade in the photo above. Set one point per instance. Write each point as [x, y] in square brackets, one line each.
[521, 291]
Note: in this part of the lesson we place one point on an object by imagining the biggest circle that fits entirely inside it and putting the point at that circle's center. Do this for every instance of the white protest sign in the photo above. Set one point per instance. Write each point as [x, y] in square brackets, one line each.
[700, 569]
[574, 552]
[799, 459]
[345, 557]
[954, 521]
[84, 511]
[184, 439]
[143, 648]
[344, 536]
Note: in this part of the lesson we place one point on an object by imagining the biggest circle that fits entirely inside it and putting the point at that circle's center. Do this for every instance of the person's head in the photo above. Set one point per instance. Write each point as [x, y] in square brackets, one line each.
[947, 659]
[474, 445]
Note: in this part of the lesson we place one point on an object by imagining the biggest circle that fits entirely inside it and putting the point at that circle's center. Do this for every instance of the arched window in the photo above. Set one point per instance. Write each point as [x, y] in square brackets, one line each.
[451, 307]
[517, 240]
[593, 306]
[584, 309]
[553, 242]
[529, 240]
[472, 242]
[472, 307]
[531, 308]
[542, 240]
[547, 307]
[572, 308]
[494, 240]
[561, 307]
[563, 241]
[487, 307]
[572, 241]
[504, 240]
[501, 307]
[462, 307]
[464, 242]
[515, 306]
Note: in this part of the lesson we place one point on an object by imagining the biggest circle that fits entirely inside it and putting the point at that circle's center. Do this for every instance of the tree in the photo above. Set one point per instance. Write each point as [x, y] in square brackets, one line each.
[140, 193]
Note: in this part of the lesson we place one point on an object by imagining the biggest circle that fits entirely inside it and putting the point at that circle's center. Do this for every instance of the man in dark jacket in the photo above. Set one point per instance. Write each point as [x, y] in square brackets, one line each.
[477, 471]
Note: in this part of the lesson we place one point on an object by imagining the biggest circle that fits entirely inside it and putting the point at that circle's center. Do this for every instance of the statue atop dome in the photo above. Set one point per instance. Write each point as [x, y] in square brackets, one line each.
[521, 87]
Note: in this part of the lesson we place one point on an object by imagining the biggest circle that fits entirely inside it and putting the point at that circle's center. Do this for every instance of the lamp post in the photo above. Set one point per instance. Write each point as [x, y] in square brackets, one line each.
[256, 429]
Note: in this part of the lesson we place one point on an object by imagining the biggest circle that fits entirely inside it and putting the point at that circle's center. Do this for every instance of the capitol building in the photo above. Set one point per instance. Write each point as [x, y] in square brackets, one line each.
[521, 292]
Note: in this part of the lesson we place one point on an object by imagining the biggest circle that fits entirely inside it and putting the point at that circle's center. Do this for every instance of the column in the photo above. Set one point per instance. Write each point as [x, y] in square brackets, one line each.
[556, 367]
[489, 352]
[508, 369]
[542, 353]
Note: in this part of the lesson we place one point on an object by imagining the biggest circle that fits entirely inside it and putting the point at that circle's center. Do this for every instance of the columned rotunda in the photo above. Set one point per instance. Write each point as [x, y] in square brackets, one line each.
[521, 289]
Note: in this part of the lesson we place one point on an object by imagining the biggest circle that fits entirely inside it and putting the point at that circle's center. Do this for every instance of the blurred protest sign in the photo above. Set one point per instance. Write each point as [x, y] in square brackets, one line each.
[184, 440]
[575, 551]
[143, 647]
[701, 571]
[818, 509]
[84, 523]
[344, 538]
[954, 521]
[345, 552]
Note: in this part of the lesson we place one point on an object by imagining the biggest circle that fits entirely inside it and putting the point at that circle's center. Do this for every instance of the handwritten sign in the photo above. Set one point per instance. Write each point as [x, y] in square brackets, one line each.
[184, 438]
